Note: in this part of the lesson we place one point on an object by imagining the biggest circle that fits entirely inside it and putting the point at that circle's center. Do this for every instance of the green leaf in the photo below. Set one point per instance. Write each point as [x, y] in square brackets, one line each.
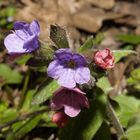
[9, 11]
[98, 38]
[3, 106]
[118, 54]
[45, 92]
[58, 36]
[128, 47]
[23, 59]
[104, 84]
[10, 76]
[23, 127]
[28, 100]
[134, 79]
[134, 120]
[47, 118]
[128, 107]
[103, 133]
[90, 43]
[8, 115]
[10, 136]
[87, 45]
[133, 133]
[132, 39]
[87, 123]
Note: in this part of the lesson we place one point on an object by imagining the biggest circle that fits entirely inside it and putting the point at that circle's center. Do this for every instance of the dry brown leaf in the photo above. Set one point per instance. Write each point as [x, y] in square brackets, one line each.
[106, 4]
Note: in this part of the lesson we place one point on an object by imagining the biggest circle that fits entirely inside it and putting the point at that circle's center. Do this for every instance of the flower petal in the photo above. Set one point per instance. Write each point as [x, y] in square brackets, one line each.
[31, 43]
[55, 106]
[20, 25]
[23, 34]
[59, 99]
[80, 60]
[77, 90]
[64, 55]
[82, 75]
[55, 70]
[34, 27]
[14, 44]
[82, 100]
[66, 79]
[71, 110]
[72, 100]
[66, 50]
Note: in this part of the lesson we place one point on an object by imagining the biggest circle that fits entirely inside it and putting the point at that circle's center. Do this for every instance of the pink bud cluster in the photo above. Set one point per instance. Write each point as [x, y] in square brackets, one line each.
[104, 58]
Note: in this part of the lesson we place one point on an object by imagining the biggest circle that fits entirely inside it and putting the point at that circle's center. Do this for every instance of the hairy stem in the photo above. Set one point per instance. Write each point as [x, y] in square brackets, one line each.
[114, 119]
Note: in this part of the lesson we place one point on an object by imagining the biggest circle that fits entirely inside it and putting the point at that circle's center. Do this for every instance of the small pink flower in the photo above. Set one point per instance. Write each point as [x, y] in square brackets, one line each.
[104, 58]
[60, 118]
[71, 100]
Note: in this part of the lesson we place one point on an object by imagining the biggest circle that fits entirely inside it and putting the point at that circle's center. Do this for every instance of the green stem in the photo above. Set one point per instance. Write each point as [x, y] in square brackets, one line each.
[25, 86]
[114, 119]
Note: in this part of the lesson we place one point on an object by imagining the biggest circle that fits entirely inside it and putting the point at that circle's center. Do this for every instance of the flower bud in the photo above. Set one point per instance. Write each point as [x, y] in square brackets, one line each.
[104, 58]
[60, 118]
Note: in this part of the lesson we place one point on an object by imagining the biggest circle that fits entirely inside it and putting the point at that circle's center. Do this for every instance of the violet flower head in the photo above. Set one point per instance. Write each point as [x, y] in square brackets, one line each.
[69, 68]
[24, 38]
[71, 100]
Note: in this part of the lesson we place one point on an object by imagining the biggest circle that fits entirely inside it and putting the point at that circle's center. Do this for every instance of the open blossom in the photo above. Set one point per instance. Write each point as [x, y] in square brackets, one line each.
[70, 100]
[69, 68]
[104, 58]
[24, 38]
[60, 118]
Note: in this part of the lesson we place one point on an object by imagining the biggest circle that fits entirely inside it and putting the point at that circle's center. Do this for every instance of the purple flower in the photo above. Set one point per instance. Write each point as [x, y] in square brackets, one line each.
[71, 100]
[24, 38]
[69, 68]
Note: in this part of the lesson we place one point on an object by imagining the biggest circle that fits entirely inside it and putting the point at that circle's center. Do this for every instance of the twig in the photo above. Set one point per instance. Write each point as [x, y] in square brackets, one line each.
[21, 118]
[115, 91]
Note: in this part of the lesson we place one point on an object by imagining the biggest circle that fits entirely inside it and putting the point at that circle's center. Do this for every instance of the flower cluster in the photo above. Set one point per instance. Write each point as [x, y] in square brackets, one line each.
[69, 68]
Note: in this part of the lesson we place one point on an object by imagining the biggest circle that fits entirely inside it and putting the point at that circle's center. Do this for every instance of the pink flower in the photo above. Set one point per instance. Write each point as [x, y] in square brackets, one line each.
[104, 58]
[60, 118]
[71, 100]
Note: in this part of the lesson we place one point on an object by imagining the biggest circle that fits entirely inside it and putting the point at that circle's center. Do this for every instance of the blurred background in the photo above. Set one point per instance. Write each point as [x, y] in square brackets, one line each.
[115, 24]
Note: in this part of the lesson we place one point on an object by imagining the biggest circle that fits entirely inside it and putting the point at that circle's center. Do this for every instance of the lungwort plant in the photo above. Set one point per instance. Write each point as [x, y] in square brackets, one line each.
[75, 93]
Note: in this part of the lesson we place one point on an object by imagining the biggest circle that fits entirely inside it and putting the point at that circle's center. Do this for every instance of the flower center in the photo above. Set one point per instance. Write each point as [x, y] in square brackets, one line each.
[71, 64]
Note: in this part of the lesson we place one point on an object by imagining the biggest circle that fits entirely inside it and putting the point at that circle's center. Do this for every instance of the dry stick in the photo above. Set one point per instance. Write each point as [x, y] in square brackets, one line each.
[115, 91]
[21, 118]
